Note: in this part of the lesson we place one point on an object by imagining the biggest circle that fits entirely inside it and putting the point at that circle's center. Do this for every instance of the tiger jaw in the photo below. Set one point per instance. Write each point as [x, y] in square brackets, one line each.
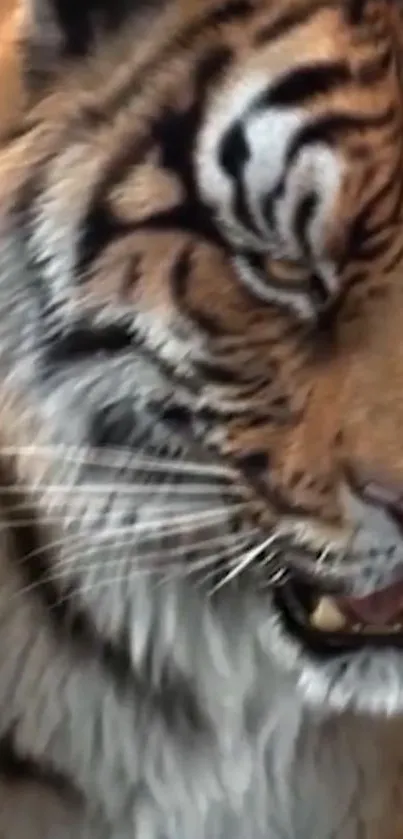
[334, 621]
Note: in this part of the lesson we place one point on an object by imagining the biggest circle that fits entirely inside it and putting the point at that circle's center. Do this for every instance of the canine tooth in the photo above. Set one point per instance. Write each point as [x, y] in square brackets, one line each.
[327, 616]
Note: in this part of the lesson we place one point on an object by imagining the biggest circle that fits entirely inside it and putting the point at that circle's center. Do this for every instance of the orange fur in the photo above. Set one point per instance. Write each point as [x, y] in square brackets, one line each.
[11, 88]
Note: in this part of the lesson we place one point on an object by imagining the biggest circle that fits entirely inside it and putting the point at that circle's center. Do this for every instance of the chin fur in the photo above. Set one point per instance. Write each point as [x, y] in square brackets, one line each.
[366, 681]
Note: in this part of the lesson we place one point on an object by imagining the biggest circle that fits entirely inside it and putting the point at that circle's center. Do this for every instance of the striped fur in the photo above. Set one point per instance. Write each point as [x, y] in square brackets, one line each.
[200, 344]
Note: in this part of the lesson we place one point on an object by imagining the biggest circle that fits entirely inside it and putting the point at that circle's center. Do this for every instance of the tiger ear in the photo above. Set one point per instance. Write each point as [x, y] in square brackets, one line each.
[57, 29]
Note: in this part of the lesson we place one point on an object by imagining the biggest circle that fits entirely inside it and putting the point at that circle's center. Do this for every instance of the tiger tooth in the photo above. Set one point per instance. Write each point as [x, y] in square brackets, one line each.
[327, 616]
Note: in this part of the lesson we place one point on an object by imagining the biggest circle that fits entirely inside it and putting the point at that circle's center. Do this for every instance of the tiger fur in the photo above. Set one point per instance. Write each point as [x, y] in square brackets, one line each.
[201, 356]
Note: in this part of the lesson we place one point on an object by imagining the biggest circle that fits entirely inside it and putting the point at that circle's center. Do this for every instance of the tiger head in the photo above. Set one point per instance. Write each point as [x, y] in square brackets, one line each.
[217, 185]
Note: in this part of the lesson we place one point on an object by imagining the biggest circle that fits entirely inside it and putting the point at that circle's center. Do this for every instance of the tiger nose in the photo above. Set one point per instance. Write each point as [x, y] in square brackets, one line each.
[377, 488]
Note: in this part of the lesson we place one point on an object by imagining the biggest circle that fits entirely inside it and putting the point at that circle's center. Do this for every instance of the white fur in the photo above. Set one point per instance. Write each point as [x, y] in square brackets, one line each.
[317, 168]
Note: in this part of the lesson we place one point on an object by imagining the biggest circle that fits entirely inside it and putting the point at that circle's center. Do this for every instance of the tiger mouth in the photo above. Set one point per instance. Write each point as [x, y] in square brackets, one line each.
[329, 623]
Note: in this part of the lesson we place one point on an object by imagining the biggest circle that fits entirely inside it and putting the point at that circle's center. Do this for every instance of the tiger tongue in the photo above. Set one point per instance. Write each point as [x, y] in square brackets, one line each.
[381, 608]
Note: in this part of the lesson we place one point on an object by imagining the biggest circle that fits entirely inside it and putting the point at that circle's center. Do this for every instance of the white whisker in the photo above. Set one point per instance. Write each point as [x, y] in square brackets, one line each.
[250, 556]
[108, 582]
[186, 569]
[113, 512]
[124, 490]
[84, 560]
[163, 526]
[38, 584]
[119, 457]
[69, 516]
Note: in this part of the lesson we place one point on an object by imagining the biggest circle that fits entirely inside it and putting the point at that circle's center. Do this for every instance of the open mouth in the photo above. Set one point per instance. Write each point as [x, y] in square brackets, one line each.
[334, 623]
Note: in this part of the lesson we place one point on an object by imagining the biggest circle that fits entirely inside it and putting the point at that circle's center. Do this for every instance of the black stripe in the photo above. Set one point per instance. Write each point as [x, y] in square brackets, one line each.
[394, 261]
[374, 70]
[16, 767]
[78, 21]
[329, 127]
[317, 290]
[179, 279]
[233, 155]
[214, 372]
[185, 40]
[257, 264]
[131, 277]
[69, 623]
[354, 10]
[303, 217]
[303, 83]
[172, 134]
[84, 340]
[360, 228]
[173, 698]
[99, 228]
[253, 463]
[288, 21]
[373, 249]
[234, 151]
[190, 217]
[180, 275]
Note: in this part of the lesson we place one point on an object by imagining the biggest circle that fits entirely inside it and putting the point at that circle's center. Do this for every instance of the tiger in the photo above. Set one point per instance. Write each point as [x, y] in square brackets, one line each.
[201, 458]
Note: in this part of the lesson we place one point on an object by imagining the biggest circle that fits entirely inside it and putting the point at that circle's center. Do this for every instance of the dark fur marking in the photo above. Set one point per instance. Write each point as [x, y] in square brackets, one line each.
[86, 340]
[304, 214]
[330, 126]
[303, 83]
[99, 229]
[286, 22]
[354, 10]
[216, 373]
[180, 276]
[269, 205]
[234, 151]
[172, 132]
[318, 292]
[113, 424]
[394, 261]
[73, 625]
[234, 154]
[177, 415]
[186, 39]
[253, 463]
[16, 768]
[80, 21]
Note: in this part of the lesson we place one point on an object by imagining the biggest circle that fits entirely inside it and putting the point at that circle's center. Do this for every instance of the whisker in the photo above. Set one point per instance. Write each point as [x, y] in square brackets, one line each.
[233, 562]
[193, 567]
[170, 526]
[108, 582]
[250, 556]
[60, 573]
[38, 584]
[85, 560]
[70, 517]
[102, 584]
[116, 457]
[123, 490]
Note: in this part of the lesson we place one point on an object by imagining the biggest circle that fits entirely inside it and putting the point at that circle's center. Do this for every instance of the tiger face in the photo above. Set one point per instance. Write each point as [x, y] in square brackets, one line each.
[218, 186]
